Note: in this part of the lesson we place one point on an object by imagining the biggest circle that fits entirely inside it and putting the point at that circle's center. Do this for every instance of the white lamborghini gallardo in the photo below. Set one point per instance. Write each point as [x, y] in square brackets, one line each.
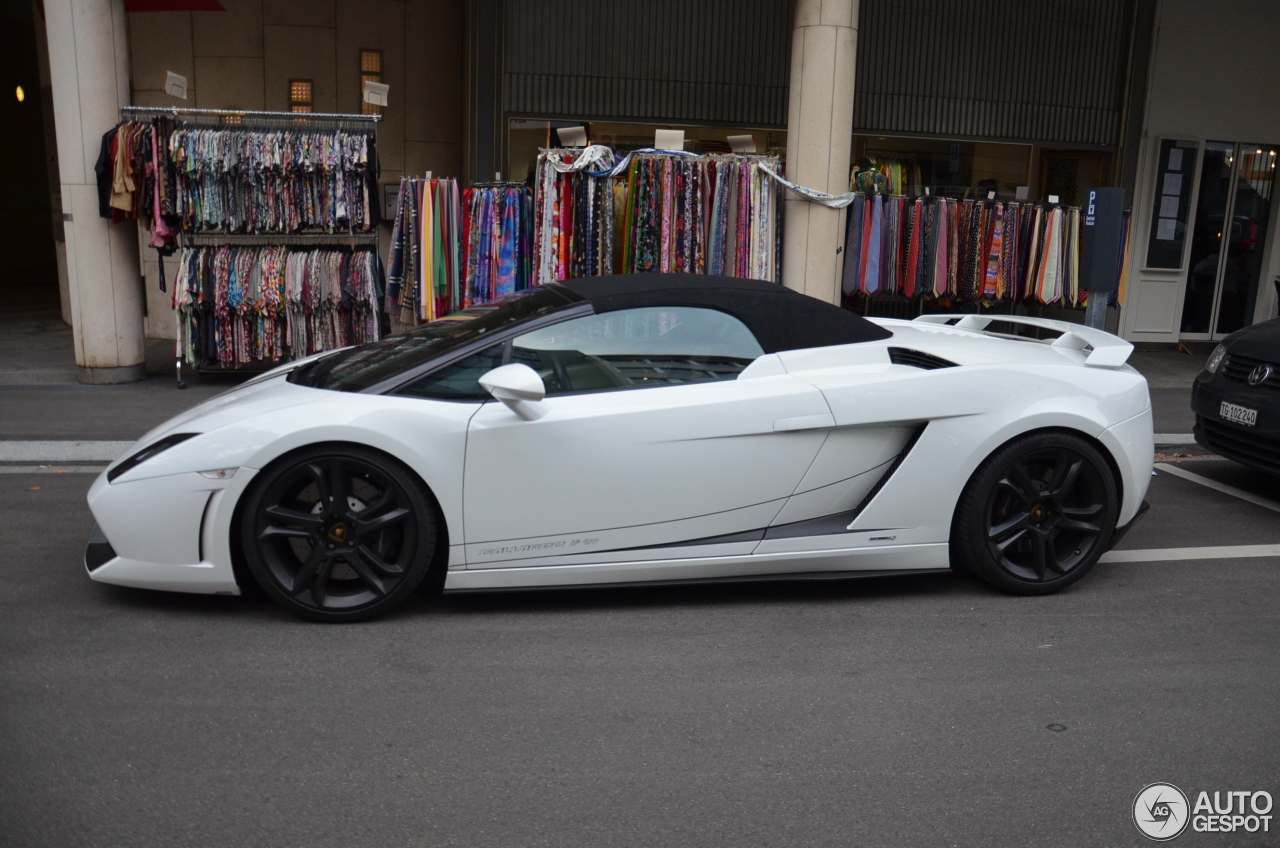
[641, 429]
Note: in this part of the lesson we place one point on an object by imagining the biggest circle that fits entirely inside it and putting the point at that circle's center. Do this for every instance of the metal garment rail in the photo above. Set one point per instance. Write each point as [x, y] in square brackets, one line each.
[249, 119]
[215, 239]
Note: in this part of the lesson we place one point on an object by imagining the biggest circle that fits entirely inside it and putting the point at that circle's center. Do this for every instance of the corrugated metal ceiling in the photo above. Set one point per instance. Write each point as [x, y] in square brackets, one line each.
[722, 61]
[1049, 70]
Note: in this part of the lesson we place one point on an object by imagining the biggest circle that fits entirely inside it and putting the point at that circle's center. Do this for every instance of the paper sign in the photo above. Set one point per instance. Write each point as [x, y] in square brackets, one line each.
[742, 143]
[375, 93]
[1021, 192]
[390, 198]
[175, 85]
[1053, 198]
[572, 136]
[669, 139]
[1169, 206]
[1166, 229]
[1175, 159]
[1172, 184]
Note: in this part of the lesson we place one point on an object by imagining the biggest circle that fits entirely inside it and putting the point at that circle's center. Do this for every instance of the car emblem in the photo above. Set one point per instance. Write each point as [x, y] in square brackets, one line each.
[1260, 374]
[338, 532]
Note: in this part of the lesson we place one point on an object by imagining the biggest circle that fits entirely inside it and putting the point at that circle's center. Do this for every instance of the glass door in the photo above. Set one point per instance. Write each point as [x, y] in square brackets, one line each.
[1250, 216]
[1228, 238]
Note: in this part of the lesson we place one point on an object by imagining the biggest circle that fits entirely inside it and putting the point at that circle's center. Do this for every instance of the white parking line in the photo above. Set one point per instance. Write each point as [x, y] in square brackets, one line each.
[1221, 487]
[1175, 438]
[68, 451]
[51, 469]
[1174, 554]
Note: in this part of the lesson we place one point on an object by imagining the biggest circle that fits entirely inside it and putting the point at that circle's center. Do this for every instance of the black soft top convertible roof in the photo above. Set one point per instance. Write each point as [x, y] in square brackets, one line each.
[780, 319]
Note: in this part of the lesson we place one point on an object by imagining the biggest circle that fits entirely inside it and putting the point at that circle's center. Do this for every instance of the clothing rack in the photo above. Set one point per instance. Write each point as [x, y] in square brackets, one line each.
[250, 119]
[499, 184]
[979, 251]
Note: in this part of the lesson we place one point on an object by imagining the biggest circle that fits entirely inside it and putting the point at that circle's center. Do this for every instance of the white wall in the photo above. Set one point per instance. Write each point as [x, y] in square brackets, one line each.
[1214, 76]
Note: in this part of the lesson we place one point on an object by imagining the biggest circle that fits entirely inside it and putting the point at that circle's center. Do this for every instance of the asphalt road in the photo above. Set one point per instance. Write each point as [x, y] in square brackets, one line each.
[910, 711]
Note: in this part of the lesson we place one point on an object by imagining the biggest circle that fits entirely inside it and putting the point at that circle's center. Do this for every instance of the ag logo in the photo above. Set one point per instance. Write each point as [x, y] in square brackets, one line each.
[1160, 811]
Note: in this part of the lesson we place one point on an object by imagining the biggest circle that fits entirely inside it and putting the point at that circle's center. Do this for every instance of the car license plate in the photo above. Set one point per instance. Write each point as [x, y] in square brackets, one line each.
[1238, 414]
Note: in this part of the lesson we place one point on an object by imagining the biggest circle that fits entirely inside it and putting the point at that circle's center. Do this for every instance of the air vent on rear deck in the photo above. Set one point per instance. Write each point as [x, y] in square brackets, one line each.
[917, 359]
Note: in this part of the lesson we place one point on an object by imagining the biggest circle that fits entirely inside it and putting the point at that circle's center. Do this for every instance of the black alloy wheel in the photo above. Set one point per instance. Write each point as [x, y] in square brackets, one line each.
[1037, 514]
[338, 534]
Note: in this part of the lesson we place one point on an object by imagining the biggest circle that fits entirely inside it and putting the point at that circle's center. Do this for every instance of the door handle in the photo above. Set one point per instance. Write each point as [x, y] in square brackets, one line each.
[804, 422]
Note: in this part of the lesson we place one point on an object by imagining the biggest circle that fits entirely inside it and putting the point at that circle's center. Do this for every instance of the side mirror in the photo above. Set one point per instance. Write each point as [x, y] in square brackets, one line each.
[518, 387]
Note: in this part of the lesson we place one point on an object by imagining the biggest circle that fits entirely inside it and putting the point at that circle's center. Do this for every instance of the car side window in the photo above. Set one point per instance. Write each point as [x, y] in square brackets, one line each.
[638, 348]
[459, 381]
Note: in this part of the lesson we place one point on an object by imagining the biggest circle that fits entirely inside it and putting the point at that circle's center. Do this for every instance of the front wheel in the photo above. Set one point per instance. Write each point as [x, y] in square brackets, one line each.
[338, 534]
[1036, 515]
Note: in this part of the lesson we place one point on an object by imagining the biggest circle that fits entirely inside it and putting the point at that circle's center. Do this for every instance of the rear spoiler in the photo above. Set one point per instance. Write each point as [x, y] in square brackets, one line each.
[1105, 350]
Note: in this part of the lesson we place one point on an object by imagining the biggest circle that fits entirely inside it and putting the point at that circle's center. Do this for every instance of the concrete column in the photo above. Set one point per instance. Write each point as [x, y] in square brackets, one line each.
[89, 69]
[819, 133]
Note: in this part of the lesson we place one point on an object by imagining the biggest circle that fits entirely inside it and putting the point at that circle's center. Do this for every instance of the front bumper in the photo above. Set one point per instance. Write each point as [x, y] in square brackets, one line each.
[1257, 446]
[98, 552]
[170, 533]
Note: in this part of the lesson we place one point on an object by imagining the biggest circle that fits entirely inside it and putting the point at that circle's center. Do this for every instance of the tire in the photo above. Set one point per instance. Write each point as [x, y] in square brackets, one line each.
[1036, 515]
[338, 534]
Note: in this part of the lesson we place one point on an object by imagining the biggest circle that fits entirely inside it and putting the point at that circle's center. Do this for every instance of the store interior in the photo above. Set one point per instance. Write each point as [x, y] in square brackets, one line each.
[957, 168]
[28, 268]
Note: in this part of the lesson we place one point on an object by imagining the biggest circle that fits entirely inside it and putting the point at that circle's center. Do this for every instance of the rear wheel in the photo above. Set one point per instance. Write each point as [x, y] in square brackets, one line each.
[338, 534]
[1036, 515]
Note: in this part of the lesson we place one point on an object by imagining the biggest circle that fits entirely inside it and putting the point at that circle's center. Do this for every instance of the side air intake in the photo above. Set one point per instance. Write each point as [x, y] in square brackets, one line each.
[917, 359]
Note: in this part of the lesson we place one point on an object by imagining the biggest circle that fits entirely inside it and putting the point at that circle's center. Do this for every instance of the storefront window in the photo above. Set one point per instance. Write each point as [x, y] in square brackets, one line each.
[527, 136]
[1069, 175]
[960, 169]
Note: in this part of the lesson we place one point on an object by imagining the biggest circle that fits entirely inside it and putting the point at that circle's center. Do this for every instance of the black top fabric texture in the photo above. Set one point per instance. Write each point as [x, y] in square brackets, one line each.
[780, 319]
[102, 169]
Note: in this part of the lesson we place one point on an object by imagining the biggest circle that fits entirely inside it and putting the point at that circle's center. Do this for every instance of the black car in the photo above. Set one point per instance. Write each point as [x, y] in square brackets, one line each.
[1236, 398]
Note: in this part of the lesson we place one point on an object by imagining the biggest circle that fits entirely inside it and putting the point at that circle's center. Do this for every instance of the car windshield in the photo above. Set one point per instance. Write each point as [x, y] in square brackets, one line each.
[358, 368]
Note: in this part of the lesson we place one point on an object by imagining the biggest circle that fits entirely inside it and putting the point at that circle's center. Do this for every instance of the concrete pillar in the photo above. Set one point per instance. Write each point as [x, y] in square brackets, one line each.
[819, 133]
[89, 69]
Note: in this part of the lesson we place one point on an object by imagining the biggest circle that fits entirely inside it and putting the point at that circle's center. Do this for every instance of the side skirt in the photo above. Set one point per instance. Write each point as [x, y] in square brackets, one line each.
[836, 561]
[800, 577]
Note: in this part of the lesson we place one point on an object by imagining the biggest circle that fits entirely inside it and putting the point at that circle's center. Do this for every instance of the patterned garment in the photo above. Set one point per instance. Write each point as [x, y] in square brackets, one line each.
[239, 305]
[850, 274]
[871, 267]
[910, 281]
[993, 274]
[702, 214]
[271, 181]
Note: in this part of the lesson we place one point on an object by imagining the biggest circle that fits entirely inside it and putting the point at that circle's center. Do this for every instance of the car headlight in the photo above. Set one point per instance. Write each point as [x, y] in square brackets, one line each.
[1215, 359]
[146, 453]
